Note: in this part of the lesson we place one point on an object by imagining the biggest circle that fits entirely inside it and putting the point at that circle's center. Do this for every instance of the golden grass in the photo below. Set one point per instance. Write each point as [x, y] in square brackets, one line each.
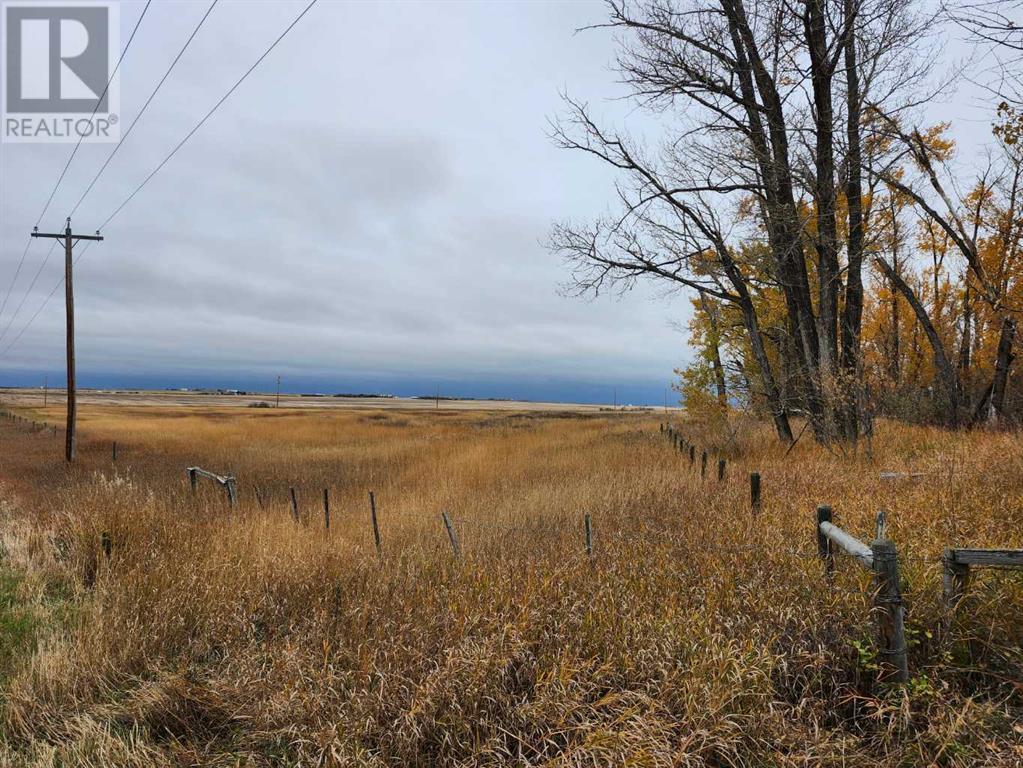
[699, 634]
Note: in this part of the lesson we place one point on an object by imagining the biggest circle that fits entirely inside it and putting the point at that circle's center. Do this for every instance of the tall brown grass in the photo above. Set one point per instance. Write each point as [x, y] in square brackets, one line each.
[698, 634]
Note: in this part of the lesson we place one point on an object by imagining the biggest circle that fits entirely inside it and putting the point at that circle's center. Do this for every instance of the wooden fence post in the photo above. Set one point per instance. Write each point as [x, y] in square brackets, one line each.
[703, 465]
[294, 504]
[106, 544]
[326, 510]
[824, 515]
[889, 607]
[193, 480]
[692, 455]
[721, 470]
[954, 579]
[754, 491]
[452, 536]
[373, 514]
[113, 452]
[259, 497]
[589, 535]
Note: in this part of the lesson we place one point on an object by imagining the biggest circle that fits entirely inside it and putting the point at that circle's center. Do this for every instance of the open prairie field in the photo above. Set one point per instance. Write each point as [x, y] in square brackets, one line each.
[697, 632]
[126, 397]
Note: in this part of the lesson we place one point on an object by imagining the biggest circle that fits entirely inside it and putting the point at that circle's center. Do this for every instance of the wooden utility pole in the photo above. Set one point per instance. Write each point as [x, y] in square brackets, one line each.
[69, 239]
[277, 402]
[46, 389]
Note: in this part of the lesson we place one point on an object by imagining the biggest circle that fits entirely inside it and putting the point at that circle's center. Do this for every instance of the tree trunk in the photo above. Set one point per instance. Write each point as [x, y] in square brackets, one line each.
[770, 387]
[824, 188]
[894, 350]
[946, 370]
[711, 311]
[965, 344]
[756, 340]
[1003, 360]
[852, 316]
[784, 230]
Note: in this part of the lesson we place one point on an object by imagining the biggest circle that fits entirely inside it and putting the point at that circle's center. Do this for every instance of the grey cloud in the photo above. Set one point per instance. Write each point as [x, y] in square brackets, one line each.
[366, 202]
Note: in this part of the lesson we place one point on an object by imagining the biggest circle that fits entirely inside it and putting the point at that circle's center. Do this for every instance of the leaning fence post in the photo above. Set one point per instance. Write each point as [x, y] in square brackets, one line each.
[954, 578]
[326, 510]
[824, 515]
[888, 604]
[754, 491]
[452, 536]
[373, 515]
[294, 504]
[232, 490]
[589, 535]
[703, 465]
[721, 470]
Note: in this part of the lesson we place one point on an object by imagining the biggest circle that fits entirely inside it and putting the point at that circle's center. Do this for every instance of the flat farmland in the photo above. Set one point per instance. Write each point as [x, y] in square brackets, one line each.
[173, 398]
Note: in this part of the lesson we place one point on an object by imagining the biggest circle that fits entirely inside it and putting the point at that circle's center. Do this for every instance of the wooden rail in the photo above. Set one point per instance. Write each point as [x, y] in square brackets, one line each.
[852, 546]
[227, 482]
[958, 562]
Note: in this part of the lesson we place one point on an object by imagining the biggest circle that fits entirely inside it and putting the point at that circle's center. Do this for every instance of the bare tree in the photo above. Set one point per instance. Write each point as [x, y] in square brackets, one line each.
[997, 27]
[751, 86]
[668, 231]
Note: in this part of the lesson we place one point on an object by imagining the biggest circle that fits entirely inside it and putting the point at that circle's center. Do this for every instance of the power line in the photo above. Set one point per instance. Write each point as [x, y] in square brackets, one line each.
[43, 305]
[208, 114]
[28, 292]
[96, 107]
[15, 279]
[63, 173]
[144, 106]
[174, 151]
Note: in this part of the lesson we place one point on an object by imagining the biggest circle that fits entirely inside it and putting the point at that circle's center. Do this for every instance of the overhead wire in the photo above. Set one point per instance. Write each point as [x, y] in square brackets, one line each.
[145, 106]
[63, 173]
[99, 101]
[207, 116]
[164, 162]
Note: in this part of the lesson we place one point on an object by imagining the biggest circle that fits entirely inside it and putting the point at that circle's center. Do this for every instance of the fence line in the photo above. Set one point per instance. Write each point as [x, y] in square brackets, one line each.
[880, 557]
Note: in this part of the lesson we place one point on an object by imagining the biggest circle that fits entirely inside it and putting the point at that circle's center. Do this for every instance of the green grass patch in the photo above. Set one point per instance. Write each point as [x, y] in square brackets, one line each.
[18, 624]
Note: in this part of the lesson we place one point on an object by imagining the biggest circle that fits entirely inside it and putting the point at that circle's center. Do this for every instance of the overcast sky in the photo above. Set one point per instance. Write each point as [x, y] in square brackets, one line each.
[365, 212]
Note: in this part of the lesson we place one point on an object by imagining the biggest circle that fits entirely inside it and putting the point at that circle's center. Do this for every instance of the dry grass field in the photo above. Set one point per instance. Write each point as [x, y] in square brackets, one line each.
[698, 634]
